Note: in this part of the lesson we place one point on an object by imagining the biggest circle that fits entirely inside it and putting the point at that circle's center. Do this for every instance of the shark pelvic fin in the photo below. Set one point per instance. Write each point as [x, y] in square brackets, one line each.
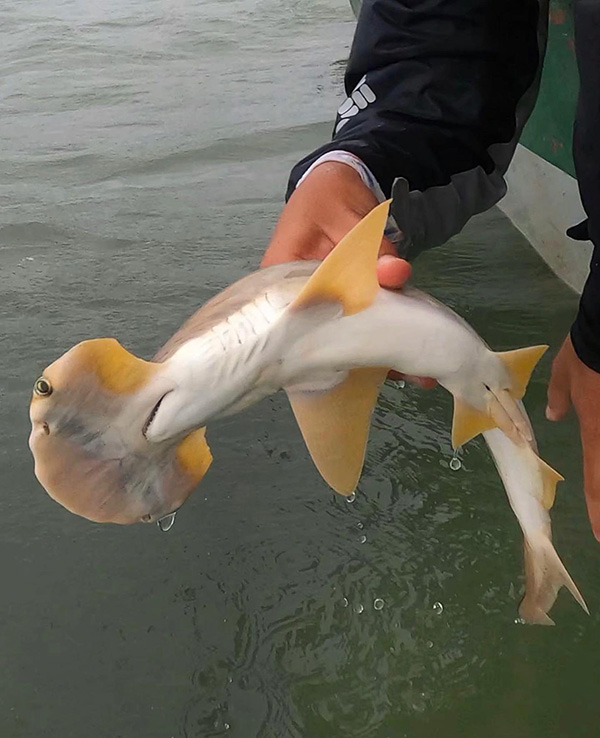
[335, 425]
[468, 422]
[348, 274]
[520, 364]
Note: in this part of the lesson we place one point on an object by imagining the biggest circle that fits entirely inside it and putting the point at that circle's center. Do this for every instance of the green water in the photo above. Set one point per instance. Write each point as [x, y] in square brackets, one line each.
[147, 150]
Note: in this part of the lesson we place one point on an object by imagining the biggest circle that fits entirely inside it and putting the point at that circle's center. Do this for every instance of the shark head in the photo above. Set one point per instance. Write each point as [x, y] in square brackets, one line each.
[89, 413]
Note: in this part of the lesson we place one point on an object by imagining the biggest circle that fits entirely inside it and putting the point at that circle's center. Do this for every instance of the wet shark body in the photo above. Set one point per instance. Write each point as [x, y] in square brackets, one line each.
[327, 334]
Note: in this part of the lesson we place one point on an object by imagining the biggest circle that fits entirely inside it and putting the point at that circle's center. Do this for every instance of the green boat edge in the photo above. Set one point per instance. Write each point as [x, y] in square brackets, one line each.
[543, 197]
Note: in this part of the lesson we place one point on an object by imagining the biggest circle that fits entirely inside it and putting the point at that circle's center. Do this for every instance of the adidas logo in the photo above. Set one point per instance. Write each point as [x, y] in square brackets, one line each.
[361, 96]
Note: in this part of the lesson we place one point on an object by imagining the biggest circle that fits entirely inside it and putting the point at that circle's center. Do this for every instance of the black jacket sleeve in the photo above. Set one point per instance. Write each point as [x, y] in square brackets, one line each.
[585, 332]
[432, 85]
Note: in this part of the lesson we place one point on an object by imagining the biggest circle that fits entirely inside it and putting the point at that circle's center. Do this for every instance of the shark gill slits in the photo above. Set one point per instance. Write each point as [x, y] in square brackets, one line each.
[42, 387]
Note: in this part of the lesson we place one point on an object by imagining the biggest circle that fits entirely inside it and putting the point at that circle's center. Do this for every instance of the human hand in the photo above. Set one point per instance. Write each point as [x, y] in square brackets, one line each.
[572, 382]
[326, 205]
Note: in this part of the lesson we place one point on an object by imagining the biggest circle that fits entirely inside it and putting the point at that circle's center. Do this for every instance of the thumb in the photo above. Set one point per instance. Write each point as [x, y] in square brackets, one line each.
[392, 272]
[559, 393]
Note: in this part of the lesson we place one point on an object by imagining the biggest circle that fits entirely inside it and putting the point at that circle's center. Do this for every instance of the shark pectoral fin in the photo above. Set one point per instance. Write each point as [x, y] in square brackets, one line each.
[550, 479]
[520, 364]
[335, 425]
[349, 273]
[468, 423]
[193, 454]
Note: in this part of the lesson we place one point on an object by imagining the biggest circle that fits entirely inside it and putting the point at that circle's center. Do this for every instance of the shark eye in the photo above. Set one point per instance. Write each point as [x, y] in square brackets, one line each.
[42, 387]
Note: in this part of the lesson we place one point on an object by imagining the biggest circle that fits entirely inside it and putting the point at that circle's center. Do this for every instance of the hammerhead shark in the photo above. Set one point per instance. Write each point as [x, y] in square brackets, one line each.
[119, 439]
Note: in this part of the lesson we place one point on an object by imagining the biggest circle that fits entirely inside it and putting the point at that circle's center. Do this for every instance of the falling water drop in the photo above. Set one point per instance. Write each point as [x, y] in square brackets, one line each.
[378, 603]
[226, 726]
[438, 608]
[166, 522]
[362, 539]
[455, 463]
[345, 602]
[360, 525]
[401, 383]
[358, 609]
[351, 498]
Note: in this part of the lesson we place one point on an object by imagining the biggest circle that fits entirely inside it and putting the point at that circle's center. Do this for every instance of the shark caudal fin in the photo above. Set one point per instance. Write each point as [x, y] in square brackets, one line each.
[335, 423]
[502, 411]
[545, 574]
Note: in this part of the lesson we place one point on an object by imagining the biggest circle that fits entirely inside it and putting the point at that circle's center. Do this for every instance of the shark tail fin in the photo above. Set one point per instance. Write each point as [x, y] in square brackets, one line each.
[545, 574]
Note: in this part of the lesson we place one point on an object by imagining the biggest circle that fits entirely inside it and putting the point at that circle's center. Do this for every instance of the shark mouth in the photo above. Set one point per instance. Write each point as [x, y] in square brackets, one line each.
[152, 415]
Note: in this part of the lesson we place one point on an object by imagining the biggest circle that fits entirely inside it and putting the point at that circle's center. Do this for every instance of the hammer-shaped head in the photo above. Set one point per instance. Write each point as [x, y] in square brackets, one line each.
[89, 412]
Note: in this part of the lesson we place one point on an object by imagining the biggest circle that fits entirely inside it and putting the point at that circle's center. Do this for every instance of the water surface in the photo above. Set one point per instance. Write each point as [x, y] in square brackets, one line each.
[145, 151]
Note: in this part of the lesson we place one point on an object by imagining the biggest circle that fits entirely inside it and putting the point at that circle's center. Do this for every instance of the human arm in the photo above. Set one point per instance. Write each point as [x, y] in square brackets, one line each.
[576, 368]
[309, 229]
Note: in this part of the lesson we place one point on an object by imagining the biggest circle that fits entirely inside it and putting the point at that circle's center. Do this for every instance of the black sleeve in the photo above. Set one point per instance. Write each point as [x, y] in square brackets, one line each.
[434, 84]
[585, 332]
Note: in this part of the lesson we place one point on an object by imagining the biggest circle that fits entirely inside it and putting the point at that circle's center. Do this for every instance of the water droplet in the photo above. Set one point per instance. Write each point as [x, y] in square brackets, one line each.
[226, 726]
[358, 609]
[401, 383]
[455, 463]
[362, 539]
[429, 644]
[378, 603]
[29, 258]
[438, 608]
[166, 522]
[345, 602]
[351, 498]
[360, 526]
[519, 621]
